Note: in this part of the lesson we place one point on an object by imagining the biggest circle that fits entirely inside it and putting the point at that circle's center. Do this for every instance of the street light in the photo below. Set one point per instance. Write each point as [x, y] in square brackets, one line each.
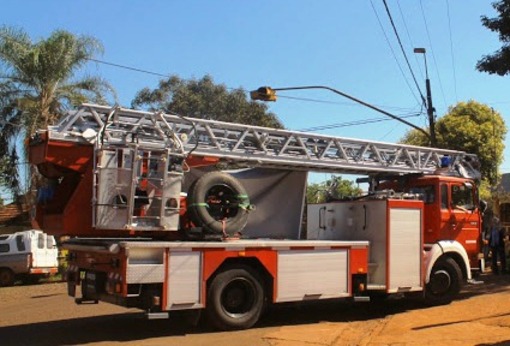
[430, 108]
[267, 93]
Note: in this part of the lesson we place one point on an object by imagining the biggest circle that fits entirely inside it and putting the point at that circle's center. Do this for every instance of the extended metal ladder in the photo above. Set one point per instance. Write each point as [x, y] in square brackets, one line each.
[254, 145]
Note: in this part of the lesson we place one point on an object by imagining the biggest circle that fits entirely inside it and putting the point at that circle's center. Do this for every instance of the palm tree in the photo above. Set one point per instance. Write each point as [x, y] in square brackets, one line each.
[38, 84]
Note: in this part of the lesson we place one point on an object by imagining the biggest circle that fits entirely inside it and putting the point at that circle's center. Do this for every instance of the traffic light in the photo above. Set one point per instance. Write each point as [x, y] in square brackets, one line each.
[263, 94]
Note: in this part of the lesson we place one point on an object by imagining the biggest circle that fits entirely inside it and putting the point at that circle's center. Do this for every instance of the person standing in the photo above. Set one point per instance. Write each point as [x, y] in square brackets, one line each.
[497, 245]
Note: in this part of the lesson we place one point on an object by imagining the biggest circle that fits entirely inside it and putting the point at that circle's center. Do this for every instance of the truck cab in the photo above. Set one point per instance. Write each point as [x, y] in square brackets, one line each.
[451, 208]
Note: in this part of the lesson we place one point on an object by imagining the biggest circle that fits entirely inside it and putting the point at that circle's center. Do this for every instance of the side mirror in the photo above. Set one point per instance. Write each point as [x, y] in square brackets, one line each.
[483, 206]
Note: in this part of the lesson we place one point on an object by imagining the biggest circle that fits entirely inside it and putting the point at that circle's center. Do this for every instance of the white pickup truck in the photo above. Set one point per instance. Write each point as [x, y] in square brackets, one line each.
[27, 255]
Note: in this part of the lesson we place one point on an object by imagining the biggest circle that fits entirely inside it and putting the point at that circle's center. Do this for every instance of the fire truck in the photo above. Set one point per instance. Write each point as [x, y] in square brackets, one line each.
[173, 214]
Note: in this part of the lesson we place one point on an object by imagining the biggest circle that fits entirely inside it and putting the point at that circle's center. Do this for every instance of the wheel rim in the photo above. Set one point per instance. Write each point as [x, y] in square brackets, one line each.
[222, 202]
[440, 282]
[238, 297]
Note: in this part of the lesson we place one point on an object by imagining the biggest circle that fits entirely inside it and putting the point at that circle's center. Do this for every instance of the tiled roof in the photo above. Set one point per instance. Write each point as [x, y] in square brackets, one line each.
[14, 214]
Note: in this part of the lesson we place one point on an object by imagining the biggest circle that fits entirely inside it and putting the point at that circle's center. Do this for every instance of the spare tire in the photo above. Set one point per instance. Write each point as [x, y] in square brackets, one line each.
[218, 203]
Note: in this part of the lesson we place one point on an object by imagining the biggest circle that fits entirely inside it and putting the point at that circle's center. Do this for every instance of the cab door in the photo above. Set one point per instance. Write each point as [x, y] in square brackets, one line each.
[460, 216]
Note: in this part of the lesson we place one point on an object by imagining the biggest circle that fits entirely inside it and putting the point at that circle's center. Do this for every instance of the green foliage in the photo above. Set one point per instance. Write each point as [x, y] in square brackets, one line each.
[318, 192]
[471, 127]
[9, 176]
[204, 99]
[499, 61]
[38, 84]
[484, 191]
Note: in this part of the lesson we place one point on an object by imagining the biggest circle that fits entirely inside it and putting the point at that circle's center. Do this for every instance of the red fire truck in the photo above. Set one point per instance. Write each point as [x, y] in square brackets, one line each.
[156, 223]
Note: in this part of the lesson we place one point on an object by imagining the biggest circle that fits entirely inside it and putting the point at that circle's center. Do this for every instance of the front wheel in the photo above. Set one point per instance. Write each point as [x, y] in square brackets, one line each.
[445, 282]
[235, 299]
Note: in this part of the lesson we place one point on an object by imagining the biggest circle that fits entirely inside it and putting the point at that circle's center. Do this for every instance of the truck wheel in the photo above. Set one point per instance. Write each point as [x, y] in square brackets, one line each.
[445, 282]
[6, 277]
[215, 198]
[235, 299]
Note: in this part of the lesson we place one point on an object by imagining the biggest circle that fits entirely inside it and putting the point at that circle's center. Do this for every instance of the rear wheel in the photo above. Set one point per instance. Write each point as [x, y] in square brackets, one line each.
[6, 277]
[445, 282]
[235, 299]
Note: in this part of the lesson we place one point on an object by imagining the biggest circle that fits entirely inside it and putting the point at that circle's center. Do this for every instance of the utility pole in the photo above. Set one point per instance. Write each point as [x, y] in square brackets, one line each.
[428, 102]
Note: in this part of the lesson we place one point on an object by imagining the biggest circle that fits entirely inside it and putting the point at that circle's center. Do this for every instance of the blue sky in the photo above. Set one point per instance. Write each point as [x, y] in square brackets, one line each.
[347, 45]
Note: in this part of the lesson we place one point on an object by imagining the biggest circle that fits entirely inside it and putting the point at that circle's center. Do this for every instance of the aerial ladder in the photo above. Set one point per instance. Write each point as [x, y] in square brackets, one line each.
[139, 157]
[252, 145]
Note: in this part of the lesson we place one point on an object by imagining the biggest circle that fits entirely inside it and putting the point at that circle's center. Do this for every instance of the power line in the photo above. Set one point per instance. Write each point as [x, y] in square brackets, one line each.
[422, 74]
[353, 123]
[136, 69]
[306, 99]
[387, 133]
[402, 17]
[403, 50]
[393, 52]
[139, 70]
[433, 55]
[101, 61]
[451, 50]
[230, 88]
[316, 100]
[128, 68]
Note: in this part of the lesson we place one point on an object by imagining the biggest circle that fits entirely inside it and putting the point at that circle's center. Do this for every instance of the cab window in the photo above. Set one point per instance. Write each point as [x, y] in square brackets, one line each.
[40, 241]
[20, 244]
[425, 193]
[462, 196]
[50, 242]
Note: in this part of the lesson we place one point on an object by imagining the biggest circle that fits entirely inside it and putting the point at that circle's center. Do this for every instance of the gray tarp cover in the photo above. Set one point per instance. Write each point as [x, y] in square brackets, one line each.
[278, 196]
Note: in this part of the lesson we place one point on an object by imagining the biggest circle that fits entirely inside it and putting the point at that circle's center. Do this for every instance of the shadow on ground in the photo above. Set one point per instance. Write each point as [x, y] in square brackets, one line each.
[491, 284]
[134, 327]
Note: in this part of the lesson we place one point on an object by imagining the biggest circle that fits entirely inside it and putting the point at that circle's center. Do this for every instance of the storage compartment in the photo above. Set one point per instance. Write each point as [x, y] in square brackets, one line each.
[393, 228]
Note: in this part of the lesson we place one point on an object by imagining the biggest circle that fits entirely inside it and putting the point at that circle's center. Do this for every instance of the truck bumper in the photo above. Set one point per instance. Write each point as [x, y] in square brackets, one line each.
[49, 271]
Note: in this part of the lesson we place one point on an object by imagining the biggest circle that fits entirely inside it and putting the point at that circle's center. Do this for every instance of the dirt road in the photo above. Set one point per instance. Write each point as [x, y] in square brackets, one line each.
[44, 315]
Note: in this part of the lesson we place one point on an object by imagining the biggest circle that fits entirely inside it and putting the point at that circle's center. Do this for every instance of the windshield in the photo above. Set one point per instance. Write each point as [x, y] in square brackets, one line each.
[462, 196]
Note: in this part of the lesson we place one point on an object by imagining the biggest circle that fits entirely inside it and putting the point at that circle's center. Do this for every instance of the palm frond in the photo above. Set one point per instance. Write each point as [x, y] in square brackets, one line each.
[36, 82]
